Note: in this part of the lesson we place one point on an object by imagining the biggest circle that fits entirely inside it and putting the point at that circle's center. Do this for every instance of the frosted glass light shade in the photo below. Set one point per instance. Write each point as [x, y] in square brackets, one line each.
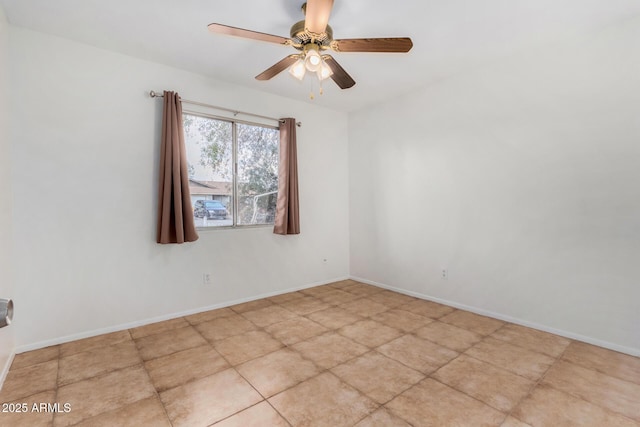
[313, 61]
[324, 72]
[298, 69]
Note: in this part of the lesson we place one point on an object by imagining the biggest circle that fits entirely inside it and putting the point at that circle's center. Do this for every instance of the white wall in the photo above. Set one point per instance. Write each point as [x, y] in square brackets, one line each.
[85, 136]
[522, 179]
[6, 277]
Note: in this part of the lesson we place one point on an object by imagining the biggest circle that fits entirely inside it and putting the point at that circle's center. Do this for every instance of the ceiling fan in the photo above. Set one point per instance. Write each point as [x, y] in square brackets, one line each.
[312, 37]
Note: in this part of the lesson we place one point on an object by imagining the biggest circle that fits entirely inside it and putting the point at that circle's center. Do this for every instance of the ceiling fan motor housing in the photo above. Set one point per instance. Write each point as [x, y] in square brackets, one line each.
[302, 37]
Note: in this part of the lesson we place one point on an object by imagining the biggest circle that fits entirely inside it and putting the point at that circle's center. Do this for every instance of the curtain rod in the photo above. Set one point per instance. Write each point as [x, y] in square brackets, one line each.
[154, 94]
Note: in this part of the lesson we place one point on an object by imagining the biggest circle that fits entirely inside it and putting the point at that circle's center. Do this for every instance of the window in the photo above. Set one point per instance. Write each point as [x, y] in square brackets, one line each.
[233, 171]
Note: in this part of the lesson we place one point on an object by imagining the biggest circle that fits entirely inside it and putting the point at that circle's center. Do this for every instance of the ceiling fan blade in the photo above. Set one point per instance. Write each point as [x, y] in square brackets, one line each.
[317, 15]
[277, 68]
[398, 44]
[247, 34]
[340, 76]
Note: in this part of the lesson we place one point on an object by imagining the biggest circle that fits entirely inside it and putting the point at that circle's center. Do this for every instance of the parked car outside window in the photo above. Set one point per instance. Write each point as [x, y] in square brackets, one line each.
[211, 209]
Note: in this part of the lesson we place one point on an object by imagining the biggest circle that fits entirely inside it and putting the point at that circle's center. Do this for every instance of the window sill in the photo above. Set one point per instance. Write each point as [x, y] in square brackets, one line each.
[237, 227]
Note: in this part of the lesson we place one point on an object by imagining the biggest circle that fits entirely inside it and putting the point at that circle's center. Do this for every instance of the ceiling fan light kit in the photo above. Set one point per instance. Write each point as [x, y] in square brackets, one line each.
[325, 71]
[313, 36]
[312, 60]
[298, 70]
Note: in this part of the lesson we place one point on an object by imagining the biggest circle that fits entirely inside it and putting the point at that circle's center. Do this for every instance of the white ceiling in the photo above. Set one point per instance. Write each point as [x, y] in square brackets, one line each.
[449, 36]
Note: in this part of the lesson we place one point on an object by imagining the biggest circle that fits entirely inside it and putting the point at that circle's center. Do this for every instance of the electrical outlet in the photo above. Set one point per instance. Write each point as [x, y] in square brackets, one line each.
[445, 274]
[206, 278]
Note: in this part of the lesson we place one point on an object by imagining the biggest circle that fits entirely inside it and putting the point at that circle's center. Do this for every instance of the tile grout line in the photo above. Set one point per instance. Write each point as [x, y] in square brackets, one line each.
[371, 350]
[502, 367]
[278, 412]
[231, 366]
[538, 382]
[605, 409]
[264, 398]
[496, 366]
[527, 348]
[54, 389]
[155, 390]
[555, 358]
[430, 376]
[460, 353]
[321, 369]
[465, 393]
[597, 372]
[55, 394]
[385, 356]
[104, 374]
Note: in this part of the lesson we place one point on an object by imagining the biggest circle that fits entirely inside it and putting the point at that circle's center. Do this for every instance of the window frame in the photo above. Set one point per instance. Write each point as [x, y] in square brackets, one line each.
[234, 161]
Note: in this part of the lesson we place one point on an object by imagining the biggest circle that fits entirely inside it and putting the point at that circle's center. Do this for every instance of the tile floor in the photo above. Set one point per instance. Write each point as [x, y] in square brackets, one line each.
[344, 354]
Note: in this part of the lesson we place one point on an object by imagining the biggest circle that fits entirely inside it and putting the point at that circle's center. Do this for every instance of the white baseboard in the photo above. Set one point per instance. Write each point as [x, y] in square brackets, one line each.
[589, 340]
[61, 340]
[124, 326]
[5, 368]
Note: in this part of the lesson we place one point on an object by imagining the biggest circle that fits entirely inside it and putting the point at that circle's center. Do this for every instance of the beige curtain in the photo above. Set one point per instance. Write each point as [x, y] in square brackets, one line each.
[287, 206]
[175, 214]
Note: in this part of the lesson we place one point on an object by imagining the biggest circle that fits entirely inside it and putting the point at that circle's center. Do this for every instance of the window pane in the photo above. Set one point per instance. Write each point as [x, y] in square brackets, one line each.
[209, 145]
[257, 174]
